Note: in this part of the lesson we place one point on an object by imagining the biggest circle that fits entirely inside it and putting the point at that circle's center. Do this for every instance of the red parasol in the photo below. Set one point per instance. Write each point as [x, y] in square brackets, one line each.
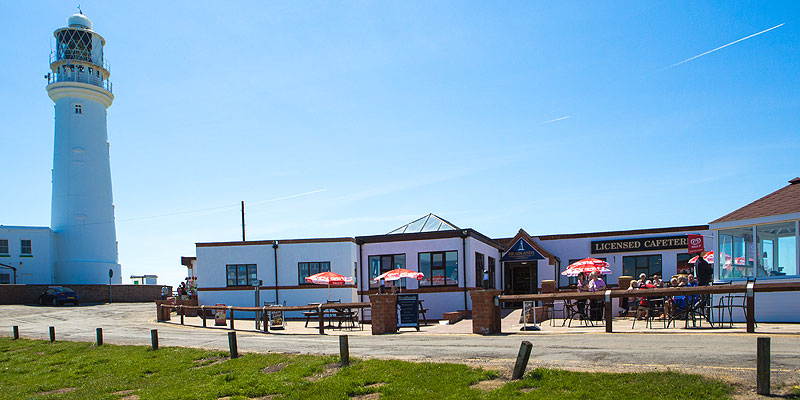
[587, 266]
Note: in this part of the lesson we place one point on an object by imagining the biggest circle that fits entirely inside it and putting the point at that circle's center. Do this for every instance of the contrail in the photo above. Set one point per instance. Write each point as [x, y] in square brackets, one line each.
[722, 47]
[554, 120]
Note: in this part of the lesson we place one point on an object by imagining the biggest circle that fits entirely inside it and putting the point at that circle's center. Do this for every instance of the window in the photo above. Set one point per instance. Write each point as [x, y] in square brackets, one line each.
[306, 269]
[5, 279]
[4, 247]
[25, 247]
[241, 274]
[636, 265]
[491, 272]
[683, 264]
[479, 267]
[78, 109]
[439, 268]
[777, 249]
[735, 253]
[385, 263]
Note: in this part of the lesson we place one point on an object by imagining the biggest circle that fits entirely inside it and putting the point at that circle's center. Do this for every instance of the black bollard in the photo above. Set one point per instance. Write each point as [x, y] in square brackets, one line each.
[52, 334]
[99, 336]
[762, 365]
[522, 360]
[232, 344]
[344, 350]
[15, 330]
[154, 338]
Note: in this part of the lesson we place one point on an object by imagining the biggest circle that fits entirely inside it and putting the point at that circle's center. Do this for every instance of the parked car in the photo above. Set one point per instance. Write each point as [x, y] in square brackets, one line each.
[58, 295]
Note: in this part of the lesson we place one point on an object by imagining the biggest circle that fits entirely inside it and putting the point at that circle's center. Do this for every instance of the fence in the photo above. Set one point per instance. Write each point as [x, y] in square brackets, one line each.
[749, 289]
[163, 309]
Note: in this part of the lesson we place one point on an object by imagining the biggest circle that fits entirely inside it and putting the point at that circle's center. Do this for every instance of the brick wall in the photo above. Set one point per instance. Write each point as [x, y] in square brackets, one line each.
[485, 314]
[29, 294]
[384, 313]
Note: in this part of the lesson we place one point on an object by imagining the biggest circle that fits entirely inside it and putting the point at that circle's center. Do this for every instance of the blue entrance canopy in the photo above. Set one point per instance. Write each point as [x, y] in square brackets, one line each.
[522, 251]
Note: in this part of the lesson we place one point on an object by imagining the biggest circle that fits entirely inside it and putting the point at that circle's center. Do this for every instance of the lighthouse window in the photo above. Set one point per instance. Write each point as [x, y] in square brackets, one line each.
[78, 109]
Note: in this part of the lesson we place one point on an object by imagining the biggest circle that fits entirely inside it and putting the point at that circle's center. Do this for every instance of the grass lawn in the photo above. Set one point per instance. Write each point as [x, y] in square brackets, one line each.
[68, 370]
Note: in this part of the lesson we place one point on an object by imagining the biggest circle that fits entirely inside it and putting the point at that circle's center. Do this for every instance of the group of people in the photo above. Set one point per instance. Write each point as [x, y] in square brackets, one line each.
[592, 284]
[673, 305]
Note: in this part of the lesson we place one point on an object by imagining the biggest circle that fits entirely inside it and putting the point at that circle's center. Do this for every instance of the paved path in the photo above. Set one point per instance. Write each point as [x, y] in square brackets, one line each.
[723, 354]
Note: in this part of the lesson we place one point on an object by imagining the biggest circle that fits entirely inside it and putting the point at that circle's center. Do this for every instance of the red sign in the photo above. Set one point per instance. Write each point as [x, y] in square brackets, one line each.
[695, 243]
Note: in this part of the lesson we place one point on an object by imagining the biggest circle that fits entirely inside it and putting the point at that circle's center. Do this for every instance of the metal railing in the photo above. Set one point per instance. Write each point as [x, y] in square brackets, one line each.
[82, 77]
[76, 56]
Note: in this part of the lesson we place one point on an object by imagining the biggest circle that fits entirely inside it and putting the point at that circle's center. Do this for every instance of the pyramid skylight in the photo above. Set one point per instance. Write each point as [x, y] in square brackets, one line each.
[427, 223]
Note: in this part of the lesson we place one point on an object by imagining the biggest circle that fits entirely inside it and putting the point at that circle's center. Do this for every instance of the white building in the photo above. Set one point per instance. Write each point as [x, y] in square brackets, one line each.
[81, 246]
[758, 241]
[144, 279]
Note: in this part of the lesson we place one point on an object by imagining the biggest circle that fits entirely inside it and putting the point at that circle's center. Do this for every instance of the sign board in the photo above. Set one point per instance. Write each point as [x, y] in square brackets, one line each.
[640, 244]
[695, 243]
[409, 310]
[219, 316]
[110, 273]
[522, 251]
[275, 319]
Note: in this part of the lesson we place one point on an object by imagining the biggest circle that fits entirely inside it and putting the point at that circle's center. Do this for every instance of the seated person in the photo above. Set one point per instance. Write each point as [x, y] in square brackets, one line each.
[642, 279]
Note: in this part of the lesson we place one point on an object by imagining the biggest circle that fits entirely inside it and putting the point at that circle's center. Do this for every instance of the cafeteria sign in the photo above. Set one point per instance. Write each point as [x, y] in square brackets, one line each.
[640, 244]
[522, 251]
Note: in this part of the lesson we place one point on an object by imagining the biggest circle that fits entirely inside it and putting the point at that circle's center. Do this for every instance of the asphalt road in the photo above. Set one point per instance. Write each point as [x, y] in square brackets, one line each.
[726, 355]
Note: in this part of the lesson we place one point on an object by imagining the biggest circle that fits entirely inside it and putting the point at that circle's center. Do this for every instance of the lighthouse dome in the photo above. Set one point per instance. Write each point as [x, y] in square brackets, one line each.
[79, 21]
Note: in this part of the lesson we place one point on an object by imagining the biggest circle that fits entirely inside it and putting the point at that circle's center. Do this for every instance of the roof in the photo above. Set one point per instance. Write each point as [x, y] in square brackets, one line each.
[782, 201]
[442, 234]
[524, 235]
[426, 223]
[274, 242]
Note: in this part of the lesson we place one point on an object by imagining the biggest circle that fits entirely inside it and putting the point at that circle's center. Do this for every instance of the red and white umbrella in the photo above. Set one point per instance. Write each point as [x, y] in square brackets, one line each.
[708, 257]
[587, 266]
[399, 273]
[329, 278]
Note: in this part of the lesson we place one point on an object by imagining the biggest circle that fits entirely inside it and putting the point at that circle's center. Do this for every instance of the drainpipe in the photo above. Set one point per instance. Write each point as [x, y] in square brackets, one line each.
[360, 268]
[464, 235]
[275, 249]
[555, 273]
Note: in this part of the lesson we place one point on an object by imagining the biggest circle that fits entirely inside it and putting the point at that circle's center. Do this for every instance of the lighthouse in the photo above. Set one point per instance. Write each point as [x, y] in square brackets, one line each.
[82, 213]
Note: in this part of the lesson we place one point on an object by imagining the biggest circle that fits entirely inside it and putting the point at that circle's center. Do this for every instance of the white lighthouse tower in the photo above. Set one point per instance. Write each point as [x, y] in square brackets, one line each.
[82, 214]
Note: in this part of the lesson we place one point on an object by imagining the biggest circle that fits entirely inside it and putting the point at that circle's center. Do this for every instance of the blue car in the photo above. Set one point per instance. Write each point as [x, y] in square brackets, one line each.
[58, 295]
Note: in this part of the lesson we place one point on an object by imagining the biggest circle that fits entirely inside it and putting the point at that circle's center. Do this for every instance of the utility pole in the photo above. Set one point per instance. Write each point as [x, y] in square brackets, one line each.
[243, 237]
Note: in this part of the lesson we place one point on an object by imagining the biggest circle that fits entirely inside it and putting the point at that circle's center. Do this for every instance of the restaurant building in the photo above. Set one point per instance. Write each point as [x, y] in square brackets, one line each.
[758, 241]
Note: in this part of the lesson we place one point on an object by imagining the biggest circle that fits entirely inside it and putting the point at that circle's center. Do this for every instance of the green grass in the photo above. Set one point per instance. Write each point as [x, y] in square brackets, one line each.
[28, 367]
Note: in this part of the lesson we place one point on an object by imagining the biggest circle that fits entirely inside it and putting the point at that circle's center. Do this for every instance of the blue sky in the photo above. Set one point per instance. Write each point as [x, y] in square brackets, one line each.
[388, 111]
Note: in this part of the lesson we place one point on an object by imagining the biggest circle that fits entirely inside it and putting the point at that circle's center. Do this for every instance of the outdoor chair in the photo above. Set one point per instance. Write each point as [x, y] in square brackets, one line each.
[421, 312]
[556, 306]
[730, 301]
[653, 309]
[576, 309]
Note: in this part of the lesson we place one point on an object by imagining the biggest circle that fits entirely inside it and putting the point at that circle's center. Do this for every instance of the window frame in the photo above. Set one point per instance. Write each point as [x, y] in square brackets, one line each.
[382, 269]
[237, 278]
[4, 245]
[22, 246]
[492, 265]
[637, 270]
[480, 266]
[302, 279]
[427, 281]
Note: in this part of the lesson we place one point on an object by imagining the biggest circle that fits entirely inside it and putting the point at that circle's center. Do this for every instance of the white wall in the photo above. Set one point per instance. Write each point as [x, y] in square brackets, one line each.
[210, 270]
[36, 269]
[567, 249]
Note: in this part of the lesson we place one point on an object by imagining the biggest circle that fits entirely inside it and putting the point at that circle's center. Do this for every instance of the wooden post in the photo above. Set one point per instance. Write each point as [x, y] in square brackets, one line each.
[751, 308]
[232, 345]
[321, 314]
[608, 311]
[344, 350]
[99, 332]
[15, 330]
[180, 309]
[522, 360]
[265, 319]
[203, 313]
[154, 339]
[232, 328]
[52, 334]
[762, 365]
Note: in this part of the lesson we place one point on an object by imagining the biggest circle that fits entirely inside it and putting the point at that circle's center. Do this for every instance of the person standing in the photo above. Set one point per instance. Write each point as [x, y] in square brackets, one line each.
[703, 270]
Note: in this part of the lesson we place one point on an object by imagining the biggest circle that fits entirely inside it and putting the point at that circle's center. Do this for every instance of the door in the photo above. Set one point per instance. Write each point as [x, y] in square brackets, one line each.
[522, 278]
